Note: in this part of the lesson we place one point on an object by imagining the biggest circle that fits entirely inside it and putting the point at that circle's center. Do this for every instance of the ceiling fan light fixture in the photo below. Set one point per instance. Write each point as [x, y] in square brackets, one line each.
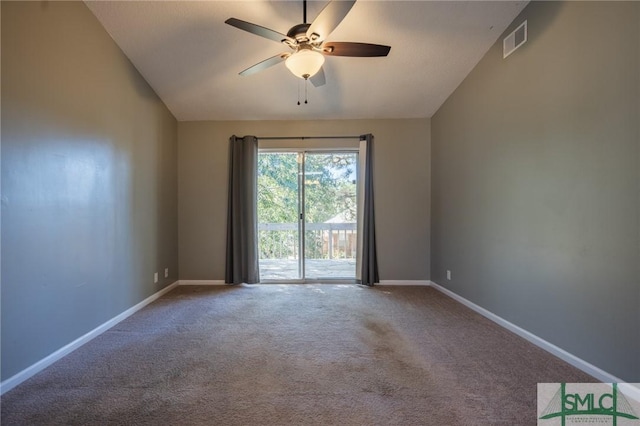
[305, 63]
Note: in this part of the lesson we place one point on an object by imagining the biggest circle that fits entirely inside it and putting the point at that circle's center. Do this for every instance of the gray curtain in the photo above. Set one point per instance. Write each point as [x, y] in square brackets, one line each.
[242, 213]
[369, 272]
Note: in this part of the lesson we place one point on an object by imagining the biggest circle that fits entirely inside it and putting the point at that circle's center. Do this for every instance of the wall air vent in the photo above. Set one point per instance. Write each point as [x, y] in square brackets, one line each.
[514, 40]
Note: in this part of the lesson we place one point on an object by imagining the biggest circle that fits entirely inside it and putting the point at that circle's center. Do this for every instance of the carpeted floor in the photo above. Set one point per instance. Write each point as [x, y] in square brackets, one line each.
[294, 355]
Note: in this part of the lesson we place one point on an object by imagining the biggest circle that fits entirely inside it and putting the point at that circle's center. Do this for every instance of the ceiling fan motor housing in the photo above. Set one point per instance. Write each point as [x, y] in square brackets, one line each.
[299, 32]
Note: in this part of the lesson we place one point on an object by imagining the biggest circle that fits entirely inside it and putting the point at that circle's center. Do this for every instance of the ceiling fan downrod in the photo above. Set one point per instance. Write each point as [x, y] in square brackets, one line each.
[304, 11]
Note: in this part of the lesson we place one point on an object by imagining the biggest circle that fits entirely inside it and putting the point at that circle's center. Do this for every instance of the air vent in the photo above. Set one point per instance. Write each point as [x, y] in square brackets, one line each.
[514, 40]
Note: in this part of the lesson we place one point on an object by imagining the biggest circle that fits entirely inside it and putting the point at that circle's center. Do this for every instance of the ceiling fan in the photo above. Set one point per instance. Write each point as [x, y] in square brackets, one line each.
[308, 45]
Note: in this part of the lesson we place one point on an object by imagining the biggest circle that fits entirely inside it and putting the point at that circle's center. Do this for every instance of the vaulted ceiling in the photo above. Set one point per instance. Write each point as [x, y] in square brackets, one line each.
[191, 58]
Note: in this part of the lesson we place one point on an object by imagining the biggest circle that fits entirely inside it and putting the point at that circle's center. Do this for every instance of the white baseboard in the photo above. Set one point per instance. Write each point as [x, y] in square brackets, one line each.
[29, 372]
[549, 347]
[382, 282]
[404, 282]
[630, 390]
[201, 282]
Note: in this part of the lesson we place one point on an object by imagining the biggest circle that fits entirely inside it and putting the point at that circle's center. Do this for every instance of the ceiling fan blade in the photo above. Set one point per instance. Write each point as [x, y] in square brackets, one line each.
[260, 66]
[328, 19]
[318, 79]
[341, 48]
[258, 30]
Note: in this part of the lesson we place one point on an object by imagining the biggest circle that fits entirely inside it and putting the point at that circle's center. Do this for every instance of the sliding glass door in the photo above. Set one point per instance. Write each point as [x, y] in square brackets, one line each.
[330, 213]
[307, 213]
[279, 236]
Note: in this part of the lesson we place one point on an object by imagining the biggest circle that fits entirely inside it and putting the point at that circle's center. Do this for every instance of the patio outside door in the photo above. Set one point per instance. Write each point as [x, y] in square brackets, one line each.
[307, 215]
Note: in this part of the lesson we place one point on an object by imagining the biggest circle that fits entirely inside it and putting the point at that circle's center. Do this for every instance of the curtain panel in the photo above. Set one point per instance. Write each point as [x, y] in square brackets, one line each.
[242, 214]
[369, 262]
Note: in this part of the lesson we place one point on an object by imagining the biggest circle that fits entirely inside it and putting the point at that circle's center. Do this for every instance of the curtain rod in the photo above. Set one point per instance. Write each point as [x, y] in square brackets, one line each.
[272, 138]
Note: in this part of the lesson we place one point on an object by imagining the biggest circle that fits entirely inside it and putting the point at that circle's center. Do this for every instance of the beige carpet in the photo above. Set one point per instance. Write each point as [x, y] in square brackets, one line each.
[294, 355]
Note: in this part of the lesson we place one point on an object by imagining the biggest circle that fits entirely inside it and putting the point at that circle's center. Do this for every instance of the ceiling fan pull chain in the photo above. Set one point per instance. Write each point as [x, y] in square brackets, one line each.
[298, 84]
[306, 83]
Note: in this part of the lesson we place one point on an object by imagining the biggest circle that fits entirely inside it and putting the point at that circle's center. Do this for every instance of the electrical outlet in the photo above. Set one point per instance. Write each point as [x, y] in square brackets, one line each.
[166, 272]
[448, 275]
[155, 277]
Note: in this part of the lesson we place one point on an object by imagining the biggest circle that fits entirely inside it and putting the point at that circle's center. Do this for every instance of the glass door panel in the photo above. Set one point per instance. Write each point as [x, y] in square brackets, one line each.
[279, 215]
[330, 215]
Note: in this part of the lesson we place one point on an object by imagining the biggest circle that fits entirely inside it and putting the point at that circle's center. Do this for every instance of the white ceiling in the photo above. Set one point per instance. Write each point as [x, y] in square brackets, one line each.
[191, 58]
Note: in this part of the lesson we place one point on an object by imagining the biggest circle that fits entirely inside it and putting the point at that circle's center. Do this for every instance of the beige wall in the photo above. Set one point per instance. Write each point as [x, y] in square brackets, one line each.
[89, 181]
[536, 179]
[402, 187]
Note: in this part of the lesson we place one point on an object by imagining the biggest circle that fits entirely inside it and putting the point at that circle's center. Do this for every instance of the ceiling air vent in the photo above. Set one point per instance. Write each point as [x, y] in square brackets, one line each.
[514, 40]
